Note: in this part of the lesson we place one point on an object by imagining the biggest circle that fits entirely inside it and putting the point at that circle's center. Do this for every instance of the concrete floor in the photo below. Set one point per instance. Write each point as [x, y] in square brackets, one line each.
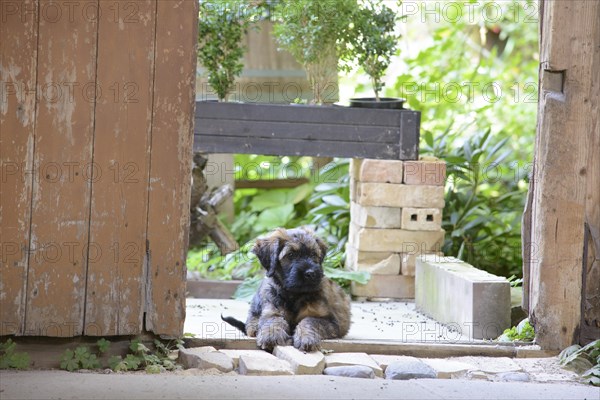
[65, 385]
[385, 321]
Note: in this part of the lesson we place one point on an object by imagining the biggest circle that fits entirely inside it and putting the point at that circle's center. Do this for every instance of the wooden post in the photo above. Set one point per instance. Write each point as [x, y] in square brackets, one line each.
[565, 194]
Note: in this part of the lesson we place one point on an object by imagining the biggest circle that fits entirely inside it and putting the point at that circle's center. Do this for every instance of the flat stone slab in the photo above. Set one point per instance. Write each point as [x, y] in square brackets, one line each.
[351, 371]
[206, 357]
[263, 366]
[188, 358]
[491, 365]
[468, 300]
[409, 368]
[235, 355]
[448, 369]
[349, 359]
[301, 363]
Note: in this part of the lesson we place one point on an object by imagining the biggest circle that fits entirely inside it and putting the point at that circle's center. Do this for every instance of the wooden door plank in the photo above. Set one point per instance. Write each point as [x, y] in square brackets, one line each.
[170, 167]
[568, 97]
[114, 302]
[18, 47]
[63, 155]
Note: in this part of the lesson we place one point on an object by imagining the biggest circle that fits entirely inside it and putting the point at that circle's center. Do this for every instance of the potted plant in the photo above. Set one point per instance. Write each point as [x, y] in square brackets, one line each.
[316, 33]
[220, 30]
[374, 41]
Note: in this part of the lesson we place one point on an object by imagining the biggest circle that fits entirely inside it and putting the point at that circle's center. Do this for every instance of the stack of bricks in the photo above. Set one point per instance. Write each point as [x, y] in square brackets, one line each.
[396, 214]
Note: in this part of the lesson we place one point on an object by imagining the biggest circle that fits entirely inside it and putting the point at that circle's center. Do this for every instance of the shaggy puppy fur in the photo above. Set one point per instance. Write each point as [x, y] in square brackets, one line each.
[295, 304]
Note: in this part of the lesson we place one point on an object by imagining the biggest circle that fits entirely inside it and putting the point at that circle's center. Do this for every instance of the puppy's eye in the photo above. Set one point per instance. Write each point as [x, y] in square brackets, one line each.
[290, 254]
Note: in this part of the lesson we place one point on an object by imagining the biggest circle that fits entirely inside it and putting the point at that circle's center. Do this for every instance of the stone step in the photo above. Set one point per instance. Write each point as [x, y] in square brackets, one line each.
[301, 363]
[349, 359]
[466, 299]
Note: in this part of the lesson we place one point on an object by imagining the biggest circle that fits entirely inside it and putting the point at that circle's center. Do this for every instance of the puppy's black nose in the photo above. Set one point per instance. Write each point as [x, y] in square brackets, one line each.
[310, 274]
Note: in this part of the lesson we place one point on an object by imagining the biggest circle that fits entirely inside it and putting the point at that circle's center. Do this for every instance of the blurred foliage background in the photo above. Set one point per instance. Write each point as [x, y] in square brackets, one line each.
[472, 70]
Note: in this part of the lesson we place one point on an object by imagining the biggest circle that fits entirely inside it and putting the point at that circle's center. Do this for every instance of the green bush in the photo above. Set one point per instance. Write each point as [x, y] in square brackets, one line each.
[476, 86]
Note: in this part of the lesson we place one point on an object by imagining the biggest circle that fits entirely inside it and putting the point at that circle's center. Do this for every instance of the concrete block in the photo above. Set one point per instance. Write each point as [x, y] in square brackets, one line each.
[302, 363]
[384, 263]
[425, 172]
[409, 262]
[386, 286]
[395, 195]
[384, 171]
[395, 240]
[467, 299]
[376, 217]
[263, 366]
[421, 219]
[348, 359]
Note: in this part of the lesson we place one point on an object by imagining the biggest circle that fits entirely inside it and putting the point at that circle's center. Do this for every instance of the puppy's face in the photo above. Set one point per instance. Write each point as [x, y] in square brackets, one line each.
[293, 258]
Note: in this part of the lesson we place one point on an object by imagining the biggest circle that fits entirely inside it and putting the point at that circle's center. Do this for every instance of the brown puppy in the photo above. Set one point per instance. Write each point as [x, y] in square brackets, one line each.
[295, 304]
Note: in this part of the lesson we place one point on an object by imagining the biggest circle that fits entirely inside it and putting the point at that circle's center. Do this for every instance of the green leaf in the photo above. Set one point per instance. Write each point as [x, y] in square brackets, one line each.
[153, 369]
[132, 362]
[361, 277]
[103, 345]
[275, 217]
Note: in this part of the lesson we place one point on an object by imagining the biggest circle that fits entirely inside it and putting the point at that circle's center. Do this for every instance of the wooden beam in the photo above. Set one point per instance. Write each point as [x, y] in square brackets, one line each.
[564, 197]
[300, 130]
[170, 165]
[17, 115]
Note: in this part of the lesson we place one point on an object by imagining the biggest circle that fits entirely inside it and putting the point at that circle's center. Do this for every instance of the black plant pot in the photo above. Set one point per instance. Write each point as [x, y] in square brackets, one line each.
[386, 103]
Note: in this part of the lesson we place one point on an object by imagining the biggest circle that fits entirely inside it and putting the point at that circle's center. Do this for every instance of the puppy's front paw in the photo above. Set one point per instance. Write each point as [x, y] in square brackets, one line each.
[270, 337]
[307, 341]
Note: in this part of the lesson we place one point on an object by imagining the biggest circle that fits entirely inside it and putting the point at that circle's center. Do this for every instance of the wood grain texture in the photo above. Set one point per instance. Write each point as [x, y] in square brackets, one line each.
[570, 41]
[170, 167]
[114, 298]
[18, 48]
[63, 156]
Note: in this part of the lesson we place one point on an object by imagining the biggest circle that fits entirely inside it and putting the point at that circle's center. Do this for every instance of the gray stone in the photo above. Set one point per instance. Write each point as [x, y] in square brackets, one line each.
[409, 368]
[447, 369]
[351, 371]
[351, 359]
[302, 363]
[512, 377]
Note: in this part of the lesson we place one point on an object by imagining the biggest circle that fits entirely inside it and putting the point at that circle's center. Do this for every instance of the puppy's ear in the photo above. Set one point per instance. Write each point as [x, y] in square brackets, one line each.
[267, 250]
[323, 247]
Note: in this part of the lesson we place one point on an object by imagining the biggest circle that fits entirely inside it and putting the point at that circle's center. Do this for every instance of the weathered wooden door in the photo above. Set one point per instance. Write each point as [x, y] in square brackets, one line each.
[96, 120]
[562, 220]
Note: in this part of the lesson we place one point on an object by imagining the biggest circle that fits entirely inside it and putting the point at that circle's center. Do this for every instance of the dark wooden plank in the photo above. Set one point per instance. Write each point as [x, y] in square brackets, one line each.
[304, 131]
[18, 48]
[114, 299]
[270, 183]
[299, 113]
[171, 165]
[289, 147]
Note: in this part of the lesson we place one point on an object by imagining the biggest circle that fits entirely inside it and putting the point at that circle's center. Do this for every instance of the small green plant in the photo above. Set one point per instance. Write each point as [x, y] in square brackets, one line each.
[375, 41]
[220, 30]
[523, 332]
[317, 34]
[83, 358]
[583, 360]
[10, 359]
[141, 357]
